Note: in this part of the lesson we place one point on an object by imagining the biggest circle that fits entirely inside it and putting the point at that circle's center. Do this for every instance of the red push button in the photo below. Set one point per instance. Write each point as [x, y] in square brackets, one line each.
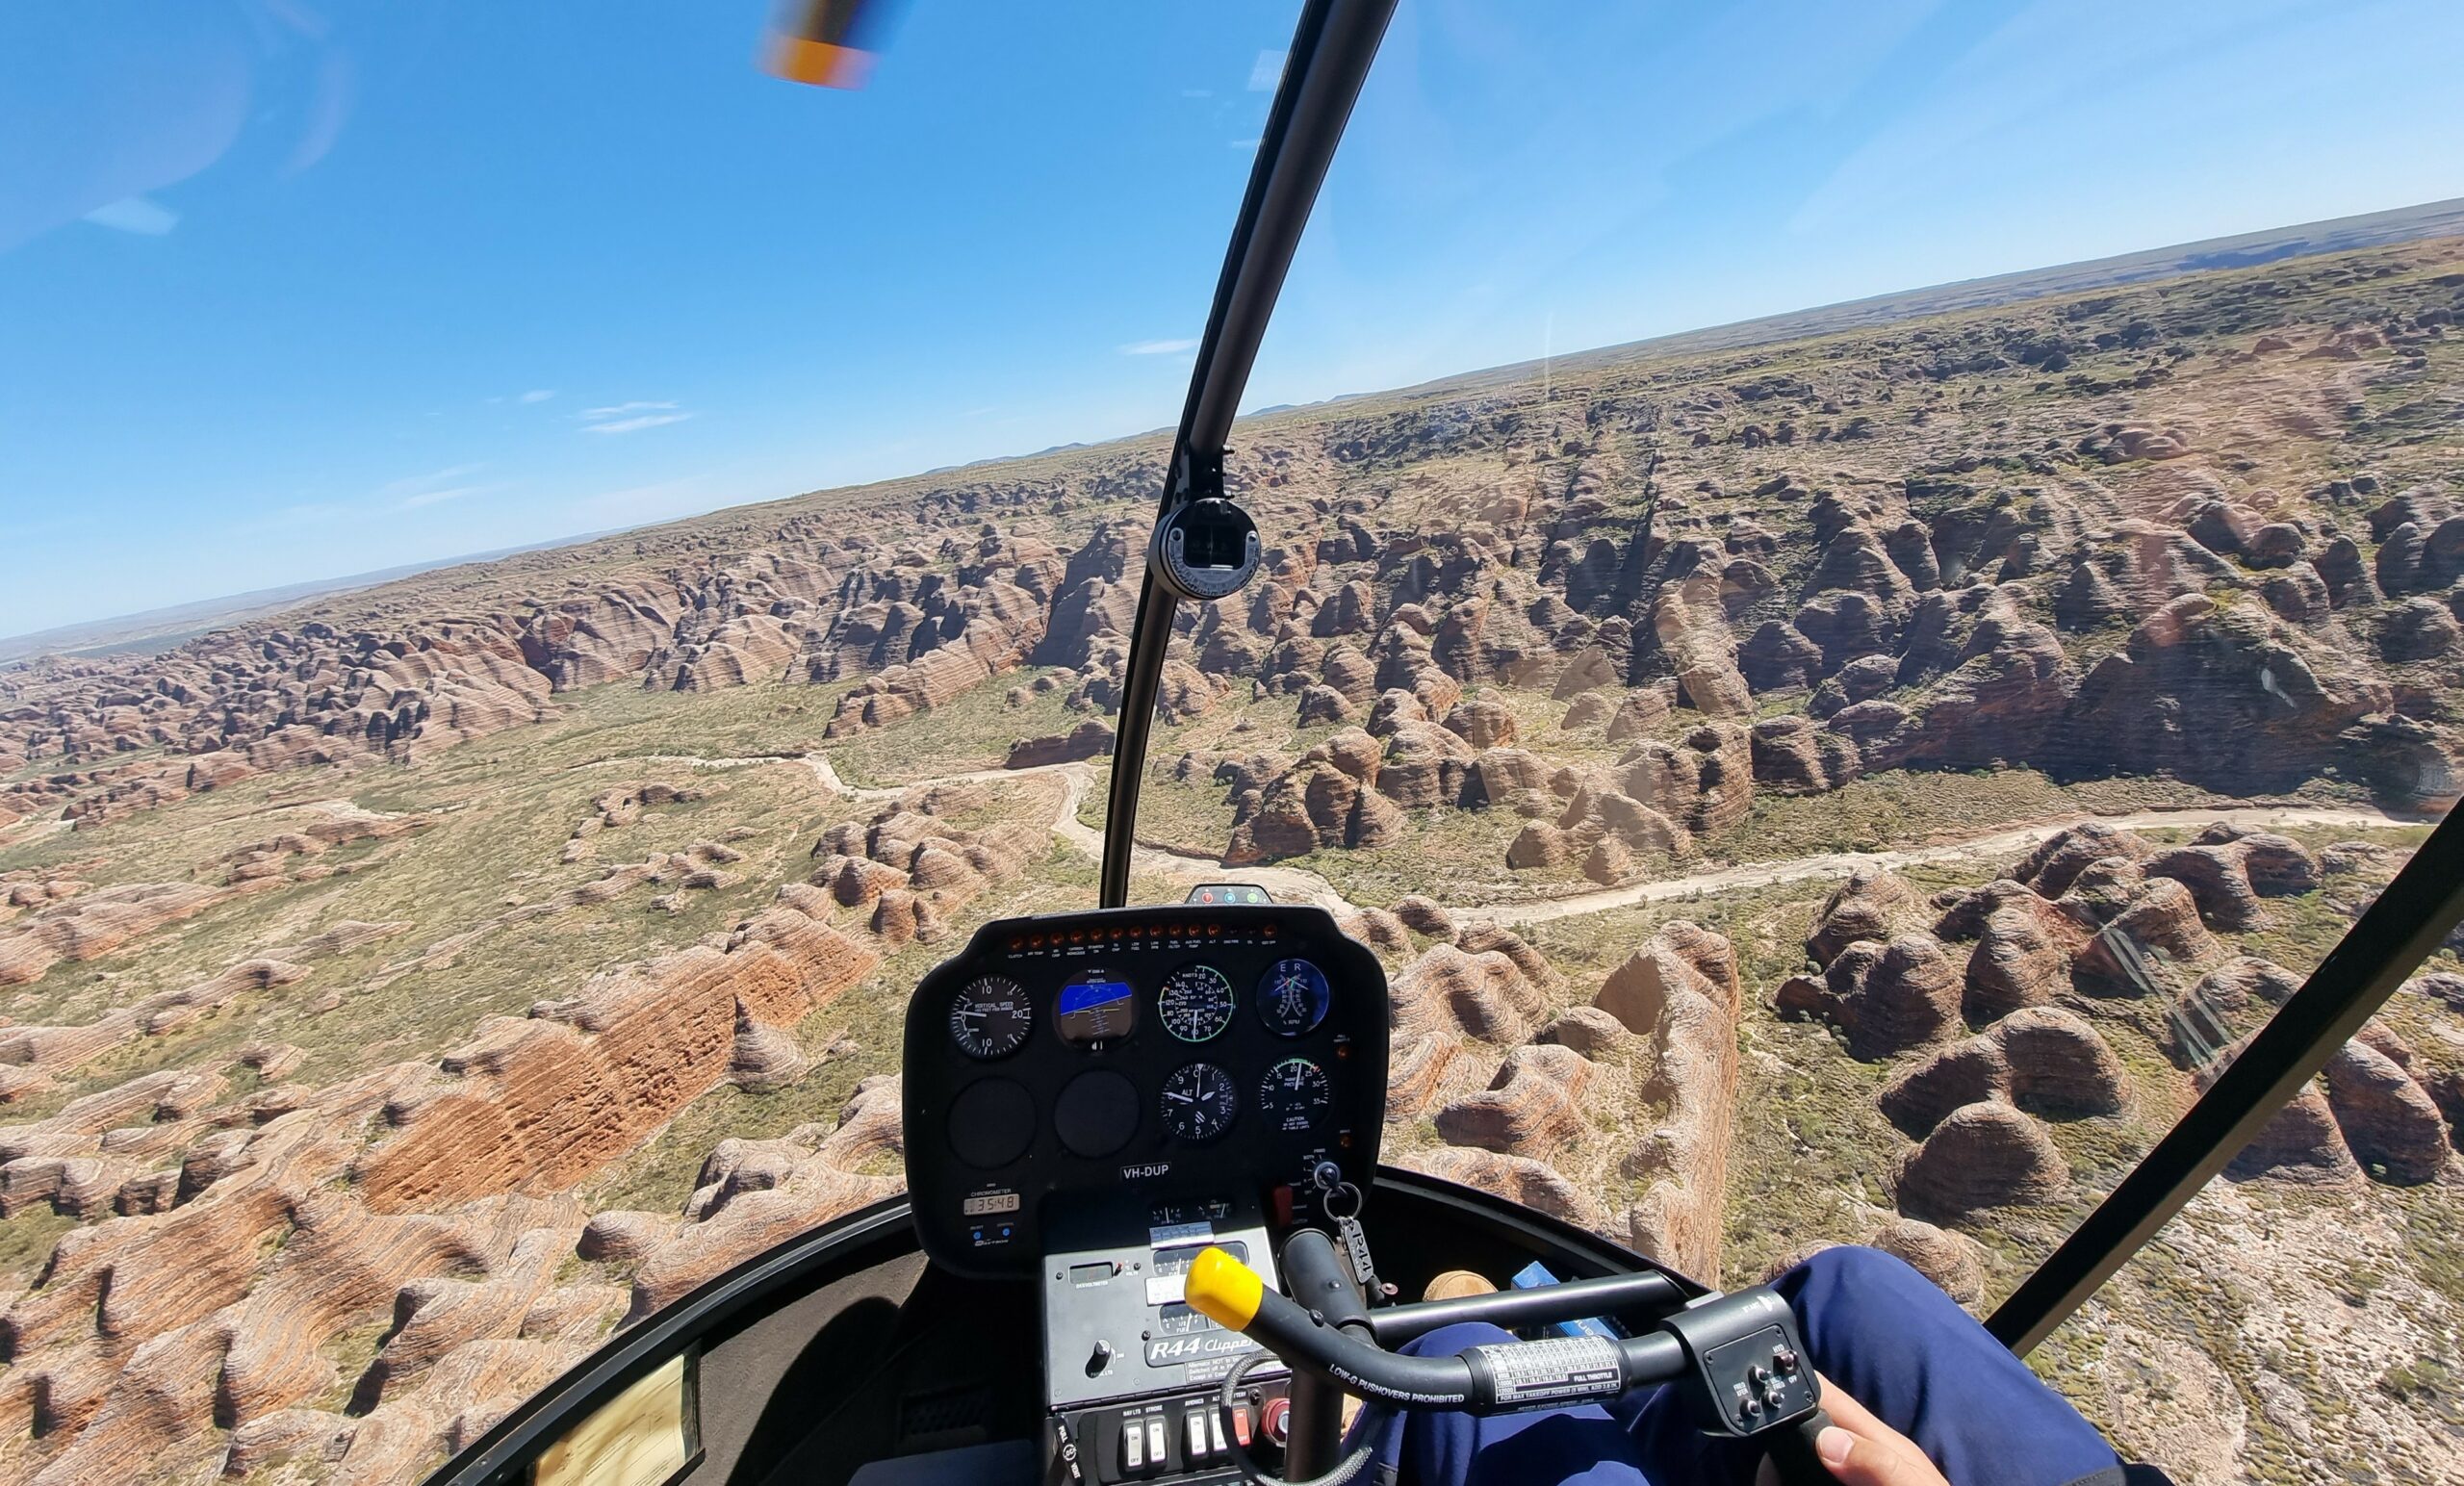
[1274, 1417]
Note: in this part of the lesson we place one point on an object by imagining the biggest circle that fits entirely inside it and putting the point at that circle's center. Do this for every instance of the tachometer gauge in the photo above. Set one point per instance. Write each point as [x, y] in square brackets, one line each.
[1293, 998]
[1199, 1101]
[1295, 1096]
[1196, 1003]
[991, 1018]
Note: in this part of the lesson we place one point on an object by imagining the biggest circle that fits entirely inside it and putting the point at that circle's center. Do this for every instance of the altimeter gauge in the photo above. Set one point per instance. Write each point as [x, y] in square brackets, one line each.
[1199, 1101]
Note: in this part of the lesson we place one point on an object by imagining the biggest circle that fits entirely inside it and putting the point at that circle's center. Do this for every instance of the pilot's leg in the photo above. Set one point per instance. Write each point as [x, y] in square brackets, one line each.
[1582, 1445]
[1895, 1342]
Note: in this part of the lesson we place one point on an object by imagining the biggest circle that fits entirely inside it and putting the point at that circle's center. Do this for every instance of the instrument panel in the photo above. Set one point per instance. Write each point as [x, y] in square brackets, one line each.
[1165, 1052]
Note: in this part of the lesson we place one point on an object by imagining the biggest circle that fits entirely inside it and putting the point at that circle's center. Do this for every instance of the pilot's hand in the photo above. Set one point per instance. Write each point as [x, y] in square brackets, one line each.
[1862, 1450]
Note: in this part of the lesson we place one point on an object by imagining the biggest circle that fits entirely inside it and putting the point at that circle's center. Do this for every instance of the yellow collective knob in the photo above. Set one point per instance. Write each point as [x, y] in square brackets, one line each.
[1223, 1290]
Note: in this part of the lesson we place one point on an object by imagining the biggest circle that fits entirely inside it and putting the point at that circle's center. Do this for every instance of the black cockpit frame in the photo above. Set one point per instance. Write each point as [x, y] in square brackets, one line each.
[1331, 52]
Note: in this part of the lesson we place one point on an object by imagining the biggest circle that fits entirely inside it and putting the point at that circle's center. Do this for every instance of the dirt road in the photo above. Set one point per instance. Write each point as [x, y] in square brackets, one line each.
[1293, 884]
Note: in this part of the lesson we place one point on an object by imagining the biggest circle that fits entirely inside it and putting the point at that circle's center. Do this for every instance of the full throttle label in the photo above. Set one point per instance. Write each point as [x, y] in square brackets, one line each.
[1531, 1373]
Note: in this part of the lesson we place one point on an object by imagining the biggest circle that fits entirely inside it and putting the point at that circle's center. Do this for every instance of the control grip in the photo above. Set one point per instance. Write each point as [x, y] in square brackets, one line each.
[1499, 1377]
[1792, 1454]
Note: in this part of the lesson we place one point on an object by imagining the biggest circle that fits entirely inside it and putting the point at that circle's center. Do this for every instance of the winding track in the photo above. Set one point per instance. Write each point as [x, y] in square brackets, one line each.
[1292, 885]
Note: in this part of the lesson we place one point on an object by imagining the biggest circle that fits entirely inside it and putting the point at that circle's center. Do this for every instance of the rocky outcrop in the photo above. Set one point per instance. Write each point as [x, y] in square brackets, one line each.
[1679, 994]
[1981, 1155]
[1485, 996]
[1951, 1260]
[1089, 739]
[2227, 872]
[1870, 904]
[2044, 1059]
[539, 1102]
[1518, 1179]
[1886, 997]
[1328, 799]
[2389, 1122]
[1529, 1109]
[2300, 1143]
[95, 923]
[1425, 916]
[2369, 1115]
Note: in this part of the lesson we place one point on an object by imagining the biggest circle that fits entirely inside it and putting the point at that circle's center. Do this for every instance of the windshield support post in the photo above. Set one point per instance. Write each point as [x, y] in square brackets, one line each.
[1331, 52]
[2411, 918]
[1202, 475]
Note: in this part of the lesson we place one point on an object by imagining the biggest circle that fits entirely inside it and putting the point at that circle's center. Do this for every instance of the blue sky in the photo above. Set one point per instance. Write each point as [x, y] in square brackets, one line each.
[291, 289]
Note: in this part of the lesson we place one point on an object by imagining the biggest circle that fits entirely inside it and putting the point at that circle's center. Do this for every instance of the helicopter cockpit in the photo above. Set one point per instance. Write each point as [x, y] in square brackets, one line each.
[1146, 1234]
[1153, 1115]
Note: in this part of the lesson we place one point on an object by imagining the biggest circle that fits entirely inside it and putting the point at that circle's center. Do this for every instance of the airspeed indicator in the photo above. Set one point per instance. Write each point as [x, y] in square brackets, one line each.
[1196, 1003]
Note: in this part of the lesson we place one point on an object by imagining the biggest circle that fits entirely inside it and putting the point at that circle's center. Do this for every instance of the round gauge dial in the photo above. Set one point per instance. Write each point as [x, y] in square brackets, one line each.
[1199, 1101]
[991, 1017]
[1293, 998]
[1196, 1003]
[1295, 1096]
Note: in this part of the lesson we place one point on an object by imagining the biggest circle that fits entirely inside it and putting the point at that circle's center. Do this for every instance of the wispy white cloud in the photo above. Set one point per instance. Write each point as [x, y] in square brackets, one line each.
[413, 484]
[1172, 347]
[145, 218]
[636, 425]
[436, 487]
[440, 497]
[631, 417]
[1266, 71]
[1252, 142]
[536, 396]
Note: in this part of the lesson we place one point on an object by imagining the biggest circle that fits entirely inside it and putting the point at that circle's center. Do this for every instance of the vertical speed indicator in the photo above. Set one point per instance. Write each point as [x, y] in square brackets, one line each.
[991, 1018]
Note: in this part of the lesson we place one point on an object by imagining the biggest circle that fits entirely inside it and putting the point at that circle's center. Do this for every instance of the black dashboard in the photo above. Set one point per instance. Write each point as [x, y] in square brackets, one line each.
[1180, 1056]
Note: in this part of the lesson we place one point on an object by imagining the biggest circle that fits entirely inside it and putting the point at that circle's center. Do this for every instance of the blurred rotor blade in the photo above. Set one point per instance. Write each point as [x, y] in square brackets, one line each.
[830, 43]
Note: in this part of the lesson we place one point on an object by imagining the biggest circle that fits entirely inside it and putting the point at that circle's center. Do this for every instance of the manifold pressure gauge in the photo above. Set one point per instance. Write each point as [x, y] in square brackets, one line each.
[1205, 549]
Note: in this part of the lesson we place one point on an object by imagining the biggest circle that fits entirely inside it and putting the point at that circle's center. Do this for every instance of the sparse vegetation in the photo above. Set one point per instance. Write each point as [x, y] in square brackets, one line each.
[1680, 532]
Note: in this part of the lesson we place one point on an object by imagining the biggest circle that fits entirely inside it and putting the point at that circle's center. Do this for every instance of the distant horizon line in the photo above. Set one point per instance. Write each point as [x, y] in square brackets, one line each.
[208, 613]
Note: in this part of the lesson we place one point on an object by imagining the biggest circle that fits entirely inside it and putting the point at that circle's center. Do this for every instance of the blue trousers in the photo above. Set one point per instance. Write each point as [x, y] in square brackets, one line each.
[1874, 1326]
